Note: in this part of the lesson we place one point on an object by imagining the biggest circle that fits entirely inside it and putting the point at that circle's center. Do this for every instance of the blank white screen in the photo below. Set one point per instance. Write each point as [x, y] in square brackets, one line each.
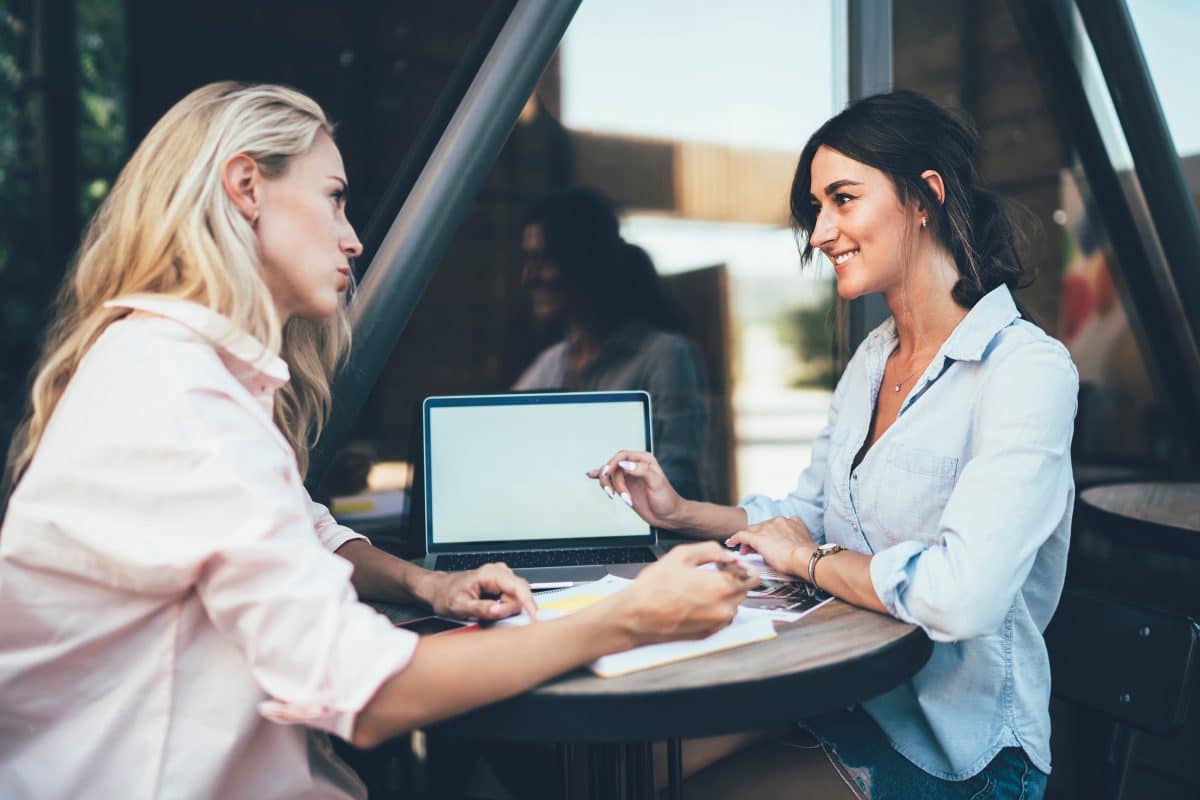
[516, 472]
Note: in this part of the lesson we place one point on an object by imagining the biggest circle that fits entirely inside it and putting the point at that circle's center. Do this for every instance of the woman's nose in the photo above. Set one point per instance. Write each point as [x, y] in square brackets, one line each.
[823, 232]
[351, 246]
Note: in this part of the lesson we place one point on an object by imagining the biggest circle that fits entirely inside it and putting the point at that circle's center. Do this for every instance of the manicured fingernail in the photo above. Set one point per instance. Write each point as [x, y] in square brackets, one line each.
[628, 500]
[604, 470]
[495, 609]
[627, 465]
[609, 492]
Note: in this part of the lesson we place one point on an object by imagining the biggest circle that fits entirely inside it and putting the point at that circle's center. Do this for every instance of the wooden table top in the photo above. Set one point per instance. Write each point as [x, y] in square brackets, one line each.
[829, 659]
[1159, 514]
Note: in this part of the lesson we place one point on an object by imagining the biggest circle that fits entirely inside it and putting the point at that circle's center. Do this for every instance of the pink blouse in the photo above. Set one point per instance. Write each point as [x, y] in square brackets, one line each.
[173, 621]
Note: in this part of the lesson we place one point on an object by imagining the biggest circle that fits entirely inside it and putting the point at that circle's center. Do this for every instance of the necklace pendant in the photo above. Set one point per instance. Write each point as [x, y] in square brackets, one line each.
[897, 388]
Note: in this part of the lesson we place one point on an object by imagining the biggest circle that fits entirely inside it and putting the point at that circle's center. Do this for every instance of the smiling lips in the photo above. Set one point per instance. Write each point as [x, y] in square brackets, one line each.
[844, 257]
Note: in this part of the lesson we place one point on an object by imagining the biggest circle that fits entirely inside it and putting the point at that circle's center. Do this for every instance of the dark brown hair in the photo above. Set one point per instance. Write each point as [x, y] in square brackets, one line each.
[902, 134]
[607, 280]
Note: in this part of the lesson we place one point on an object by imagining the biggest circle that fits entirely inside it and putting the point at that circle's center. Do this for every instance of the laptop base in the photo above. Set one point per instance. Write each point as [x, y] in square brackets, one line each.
[561, 574]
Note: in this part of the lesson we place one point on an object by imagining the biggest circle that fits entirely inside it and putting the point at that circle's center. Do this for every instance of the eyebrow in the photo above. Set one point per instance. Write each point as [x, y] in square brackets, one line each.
[833, 187]
[342, 181]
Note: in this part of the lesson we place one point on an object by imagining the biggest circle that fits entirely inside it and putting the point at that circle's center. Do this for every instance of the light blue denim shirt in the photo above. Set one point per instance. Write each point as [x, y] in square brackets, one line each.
[965, 504]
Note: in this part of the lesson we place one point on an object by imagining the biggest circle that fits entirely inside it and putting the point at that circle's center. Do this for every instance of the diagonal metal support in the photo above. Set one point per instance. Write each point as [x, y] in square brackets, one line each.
[442, 195]
[1169, 353]
[1155, 158]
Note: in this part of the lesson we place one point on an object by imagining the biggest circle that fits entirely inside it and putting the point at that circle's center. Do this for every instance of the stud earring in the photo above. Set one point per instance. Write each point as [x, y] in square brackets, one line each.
[924, 221]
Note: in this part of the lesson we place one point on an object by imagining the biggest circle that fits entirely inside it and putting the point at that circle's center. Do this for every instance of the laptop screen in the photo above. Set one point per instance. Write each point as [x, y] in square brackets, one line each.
[510, 468]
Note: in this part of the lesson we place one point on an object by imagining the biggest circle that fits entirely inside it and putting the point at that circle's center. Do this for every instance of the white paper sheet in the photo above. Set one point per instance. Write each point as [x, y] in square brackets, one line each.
[747, 626]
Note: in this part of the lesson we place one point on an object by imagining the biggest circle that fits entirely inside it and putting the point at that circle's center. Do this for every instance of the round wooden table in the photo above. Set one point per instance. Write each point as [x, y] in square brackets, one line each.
[831, 658]
[1158, 515]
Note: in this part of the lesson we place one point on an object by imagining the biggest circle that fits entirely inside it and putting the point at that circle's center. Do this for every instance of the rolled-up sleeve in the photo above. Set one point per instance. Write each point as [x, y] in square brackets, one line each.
[331, 534]
[1010, 497]
[271, 588]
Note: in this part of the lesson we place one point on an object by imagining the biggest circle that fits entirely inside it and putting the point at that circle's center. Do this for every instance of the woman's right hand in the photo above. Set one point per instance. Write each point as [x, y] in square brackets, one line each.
[636, 478]
[672, 599]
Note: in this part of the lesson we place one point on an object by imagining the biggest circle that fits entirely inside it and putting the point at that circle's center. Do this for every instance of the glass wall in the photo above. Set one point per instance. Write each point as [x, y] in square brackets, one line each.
[689, 120]
[735, 90]
[1122, 386]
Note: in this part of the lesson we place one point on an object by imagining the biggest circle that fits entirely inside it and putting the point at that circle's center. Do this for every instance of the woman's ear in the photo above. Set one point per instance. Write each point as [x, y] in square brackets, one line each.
[242, 181]
[933, 180]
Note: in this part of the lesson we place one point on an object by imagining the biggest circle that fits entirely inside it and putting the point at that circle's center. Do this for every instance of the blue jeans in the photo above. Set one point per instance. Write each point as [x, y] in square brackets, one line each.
[868, 759]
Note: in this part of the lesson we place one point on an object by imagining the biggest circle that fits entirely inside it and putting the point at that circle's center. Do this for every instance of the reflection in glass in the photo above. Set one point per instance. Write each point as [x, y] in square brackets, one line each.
[1116, 358]
[1115, 391]
[623, 330]
[692, 126]
[781, 321]
[695, 126]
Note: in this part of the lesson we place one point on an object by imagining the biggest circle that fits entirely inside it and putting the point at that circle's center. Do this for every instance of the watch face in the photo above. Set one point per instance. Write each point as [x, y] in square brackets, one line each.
[829, 548]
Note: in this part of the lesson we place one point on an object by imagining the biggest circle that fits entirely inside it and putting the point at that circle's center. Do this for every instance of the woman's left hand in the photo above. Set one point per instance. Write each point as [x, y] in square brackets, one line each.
[465, 594]
[784, 543]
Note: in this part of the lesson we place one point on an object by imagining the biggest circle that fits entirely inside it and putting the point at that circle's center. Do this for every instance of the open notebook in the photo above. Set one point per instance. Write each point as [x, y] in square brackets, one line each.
[747, 627]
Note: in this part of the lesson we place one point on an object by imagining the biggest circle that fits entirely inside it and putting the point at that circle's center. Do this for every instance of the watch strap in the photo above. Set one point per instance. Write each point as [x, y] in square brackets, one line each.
[817, 555]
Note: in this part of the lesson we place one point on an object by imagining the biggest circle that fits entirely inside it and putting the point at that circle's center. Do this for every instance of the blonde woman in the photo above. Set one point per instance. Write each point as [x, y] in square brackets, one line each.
[173, 619]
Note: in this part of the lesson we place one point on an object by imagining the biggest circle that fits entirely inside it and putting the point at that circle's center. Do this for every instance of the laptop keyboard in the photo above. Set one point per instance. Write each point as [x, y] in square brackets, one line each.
[548, 558]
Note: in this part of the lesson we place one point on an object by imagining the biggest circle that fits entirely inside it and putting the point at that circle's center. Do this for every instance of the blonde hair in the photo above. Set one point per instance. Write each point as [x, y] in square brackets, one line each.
[169, 228]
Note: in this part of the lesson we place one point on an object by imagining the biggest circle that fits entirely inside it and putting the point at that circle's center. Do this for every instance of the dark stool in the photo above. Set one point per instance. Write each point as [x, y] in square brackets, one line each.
[1133, 665]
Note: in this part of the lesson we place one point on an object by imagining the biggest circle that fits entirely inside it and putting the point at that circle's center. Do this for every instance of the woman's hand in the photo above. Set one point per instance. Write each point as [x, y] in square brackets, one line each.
[637, 479]
[672, 599]
[462, 594]
[784, 543]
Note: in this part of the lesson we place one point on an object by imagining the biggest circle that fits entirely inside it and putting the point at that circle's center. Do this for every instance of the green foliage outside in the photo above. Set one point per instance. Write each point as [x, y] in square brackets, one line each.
[810, 332]
[28, 267]
[22, 301]
[103, 128]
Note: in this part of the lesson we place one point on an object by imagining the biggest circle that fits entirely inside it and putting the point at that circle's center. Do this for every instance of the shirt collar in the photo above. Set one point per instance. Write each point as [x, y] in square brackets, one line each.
[969, 340]
[214, 328]
[994, 312]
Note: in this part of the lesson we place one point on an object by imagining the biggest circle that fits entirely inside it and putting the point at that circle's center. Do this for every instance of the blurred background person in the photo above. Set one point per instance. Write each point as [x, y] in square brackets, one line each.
[623, 330]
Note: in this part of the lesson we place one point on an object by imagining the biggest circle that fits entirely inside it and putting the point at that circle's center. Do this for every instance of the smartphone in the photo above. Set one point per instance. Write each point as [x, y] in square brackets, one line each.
[430, 626]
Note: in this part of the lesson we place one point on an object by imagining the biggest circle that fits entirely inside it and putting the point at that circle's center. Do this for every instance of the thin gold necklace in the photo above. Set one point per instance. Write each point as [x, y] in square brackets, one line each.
[906, 377]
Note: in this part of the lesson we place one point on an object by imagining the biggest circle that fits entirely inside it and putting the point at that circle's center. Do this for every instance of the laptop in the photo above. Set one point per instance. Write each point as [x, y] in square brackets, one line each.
[505, 481]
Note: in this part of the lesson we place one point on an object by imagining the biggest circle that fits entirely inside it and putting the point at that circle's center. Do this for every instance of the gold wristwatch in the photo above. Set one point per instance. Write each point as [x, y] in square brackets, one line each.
[822, 550]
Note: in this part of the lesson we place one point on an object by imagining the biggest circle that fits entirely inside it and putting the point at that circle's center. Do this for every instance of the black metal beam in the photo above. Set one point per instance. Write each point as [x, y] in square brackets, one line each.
[868, 72]
[440, 198]
[58, 65]
[1048, 34]
[869, 47]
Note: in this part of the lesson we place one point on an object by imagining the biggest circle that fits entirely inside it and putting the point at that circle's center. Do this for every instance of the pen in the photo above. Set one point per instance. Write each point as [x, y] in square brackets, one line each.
[539, 585]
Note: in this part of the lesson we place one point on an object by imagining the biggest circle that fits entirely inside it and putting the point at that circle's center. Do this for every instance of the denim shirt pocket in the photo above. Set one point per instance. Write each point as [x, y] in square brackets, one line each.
[911, 491]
